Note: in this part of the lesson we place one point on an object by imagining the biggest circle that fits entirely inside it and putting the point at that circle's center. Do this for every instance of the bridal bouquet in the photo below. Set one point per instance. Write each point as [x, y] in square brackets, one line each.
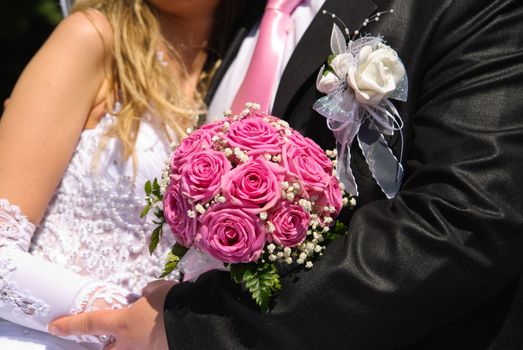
[251, 193]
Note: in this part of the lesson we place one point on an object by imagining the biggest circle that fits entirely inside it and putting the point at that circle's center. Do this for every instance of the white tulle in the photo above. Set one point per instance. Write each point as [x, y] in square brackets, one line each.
[91, 244]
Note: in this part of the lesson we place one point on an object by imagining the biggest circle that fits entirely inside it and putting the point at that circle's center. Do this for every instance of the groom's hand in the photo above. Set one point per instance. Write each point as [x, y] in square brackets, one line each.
[139, 326]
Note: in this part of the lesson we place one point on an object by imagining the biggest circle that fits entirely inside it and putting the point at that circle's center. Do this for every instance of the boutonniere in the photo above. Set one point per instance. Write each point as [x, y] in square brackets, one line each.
[361, 78]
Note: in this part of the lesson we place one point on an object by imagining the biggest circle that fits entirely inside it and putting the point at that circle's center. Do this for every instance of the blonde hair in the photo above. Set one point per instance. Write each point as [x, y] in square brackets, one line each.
[141, 83]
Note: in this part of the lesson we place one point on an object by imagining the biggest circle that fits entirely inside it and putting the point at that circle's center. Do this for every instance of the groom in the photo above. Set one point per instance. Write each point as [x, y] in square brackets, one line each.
[433, 268]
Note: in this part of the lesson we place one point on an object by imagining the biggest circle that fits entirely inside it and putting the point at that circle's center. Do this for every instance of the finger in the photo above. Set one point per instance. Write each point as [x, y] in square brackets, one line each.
[151, 287]
[89, 323]
[110, 346]
[156, 285]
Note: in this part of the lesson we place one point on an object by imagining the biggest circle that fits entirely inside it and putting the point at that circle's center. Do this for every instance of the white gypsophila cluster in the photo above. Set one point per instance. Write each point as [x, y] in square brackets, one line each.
[290, 191]
[164, 180]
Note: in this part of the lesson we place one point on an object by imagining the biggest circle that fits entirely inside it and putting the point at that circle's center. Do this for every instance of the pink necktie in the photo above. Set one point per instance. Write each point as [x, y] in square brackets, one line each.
[262, 73]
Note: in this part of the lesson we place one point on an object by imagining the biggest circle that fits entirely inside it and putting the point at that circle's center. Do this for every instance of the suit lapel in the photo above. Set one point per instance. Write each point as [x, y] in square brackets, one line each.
[314, 47]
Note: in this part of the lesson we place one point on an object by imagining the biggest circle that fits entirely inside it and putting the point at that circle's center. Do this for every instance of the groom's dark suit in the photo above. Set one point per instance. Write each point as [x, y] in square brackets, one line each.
[434, 268]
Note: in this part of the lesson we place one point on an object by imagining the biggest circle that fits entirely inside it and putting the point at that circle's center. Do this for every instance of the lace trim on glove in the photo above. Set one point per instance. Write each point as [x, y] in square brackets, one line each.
[19, 302]
[95, 291]
[85, 302]
[16, 232]
[15, 229]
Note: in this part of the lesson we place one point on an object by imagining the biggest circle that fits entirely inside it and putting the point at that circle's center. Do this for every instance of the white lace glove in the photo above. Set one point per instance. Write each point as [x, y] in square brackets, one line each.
[34, 291]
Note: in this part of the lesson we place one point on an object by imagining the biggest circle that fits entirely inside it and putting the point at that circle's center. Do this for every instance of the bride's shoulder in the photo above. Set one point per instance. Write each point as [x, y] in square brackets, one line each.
[91, 28]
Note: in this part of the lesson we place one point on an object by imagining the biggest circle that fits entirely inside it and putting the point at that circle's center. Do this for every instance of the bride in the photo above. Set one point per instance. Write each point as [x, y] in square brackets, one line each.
[90, 120]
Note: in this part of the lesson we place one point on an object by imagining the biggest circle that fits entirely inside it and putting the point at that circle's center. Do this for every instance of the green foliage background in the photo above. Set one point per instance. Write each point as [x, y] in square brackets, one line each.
[24, 26]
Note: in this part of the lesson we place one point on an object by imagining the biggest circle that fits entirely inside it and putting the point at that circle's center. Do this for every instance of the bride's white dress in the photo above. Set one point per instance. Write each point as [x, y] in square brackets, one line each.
[91, 243]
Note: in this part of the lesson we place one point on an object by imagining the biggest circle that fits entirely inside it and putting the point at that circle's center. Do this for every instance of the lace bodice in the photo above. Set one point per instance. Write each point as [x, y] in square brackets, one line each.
[91, 244]
[92, 225]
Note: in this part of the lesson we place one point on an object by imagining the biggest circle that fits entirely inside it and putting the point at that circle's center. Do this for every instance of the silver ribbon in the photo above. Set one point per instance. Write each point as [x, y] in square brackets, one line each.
[348, 119]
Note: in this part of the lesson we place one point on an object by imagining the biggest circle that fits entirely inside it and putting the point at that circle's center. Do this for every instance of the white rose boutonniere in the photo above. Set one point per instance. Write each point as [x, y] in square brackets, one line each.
[362, 75]
[377, 74]
[329, 83]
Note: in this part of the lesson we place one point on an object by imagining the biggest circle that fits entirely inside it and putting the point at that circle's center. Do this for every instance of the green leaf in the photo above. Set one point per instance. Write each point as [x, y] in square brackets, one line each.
[179, 250]
[170, 264]
[155, 238]
[173, 258]
[145, 211]
[262, 281]
[159, 214]
[156, 188]
[148, 188]
[338, 230]
[238, 270]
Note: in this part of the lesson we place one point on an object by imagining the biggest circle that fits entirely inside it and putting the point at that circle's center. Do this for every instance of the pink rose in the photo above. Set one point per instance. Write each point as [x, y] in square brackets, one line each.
[201, 175]
[255, 185]
[232, 235]
[331, 197]
[197, 141]
[291, 223]
[175, 208]
[214, 127]
[254, 136]
[312, 149]
[299, 162]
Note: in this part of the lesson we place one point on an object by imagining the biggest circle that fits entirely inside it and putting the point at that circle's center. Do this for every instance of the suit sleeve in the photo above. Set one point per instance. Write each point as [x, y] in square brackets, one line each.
[444, 246]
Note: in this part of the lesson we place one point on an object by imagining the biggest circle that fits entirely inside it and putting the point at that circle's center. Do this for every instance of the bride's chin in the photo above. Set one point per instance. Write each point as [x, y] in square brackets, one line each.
[187, 8]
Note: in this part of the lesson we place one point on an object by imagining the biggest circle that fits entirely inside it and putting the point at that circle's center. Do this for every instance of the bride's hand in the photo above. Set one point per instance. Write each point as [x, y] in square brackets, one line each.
[139, 326]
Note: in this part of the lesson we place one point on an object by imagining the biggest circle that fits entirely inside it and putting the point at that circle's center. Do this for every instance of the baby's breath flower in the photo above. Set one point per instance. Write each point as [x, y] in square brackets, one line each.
[305, 204]
[287, 252]
[199, 208]
[191, 214]
[310, 247]
[283, 123]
